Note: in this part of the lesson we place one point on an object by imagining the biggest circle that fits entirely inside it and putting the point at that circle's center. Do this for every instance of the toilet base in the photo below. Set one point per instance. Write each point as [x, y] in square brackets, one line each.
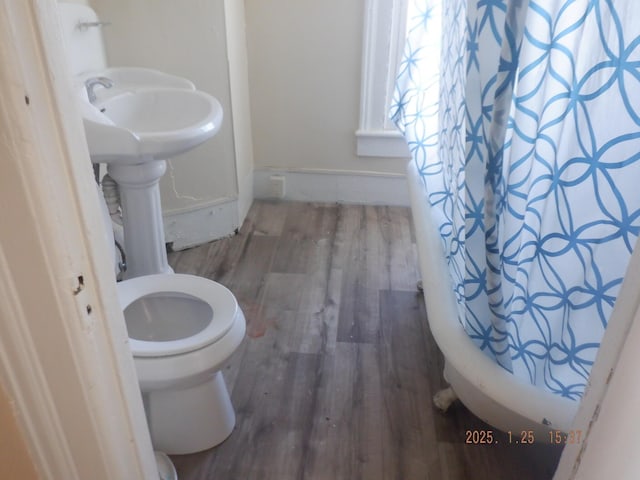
[190, 419]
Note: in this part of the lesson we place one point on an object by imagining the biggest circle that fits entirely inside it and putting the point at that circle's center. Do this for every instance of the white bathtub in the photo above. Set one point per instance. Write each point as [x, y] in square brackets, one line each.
[485, 388]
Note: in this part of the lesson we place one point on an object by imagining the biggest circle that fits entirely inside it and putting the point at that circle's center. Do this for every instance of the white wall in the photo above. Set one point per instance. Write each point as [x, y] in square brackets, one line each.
[201, 188]
[239, 90]
[185, 39]
[304, 74]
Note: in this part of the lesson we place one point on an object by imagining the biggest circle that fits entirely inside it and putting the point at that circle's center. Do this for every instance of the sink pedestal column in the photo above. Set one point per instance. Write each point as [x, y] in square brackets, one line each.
[142, 216]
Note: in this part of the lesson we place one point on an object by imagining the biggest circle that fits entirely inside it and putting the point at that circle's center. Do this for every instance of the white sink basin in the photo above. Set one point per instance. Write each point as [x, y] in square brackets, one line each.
[132, 78]
[149, 123]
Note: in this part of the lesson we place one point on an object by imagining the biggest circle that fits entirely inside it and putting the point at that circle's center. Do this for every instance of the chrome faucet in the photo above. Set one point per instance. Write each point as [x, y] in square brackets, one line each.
[91, 83]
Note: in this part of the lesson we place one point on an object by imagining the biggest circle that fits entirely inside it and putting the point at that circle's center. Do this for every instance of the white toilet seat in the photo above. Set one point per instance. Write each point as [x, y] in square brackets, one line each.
[186, 401]
[221, 301]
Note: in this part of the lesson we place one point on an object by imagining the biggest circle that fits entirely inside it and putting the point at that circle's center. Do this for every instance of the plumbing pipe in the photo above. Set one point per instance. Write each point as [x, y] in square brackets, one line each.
[111, 195]
[112, 198]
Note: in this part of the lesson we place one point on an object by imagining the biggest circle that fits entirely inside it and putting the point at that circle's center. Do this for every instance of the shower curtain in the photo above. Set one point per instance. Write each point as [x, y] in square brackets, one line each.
[523, 119]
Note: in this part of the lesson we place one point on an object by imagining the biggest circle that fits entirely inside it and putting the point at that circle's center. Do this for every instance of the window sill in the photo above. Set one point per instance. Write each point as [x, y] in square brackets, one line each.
[381, 143]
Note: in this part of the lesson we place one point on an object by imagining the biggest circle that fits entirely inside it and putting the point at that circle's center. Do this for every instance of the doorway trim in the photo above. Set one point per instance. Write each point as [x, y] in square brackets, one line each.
[65, 362]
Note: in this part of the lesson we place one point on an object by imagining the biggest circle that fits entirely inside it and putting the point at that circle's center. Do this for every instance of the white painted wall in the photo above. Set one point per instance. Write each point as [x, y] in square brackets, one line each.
[204, 193]
[301, 64]
[239, 90]
[304, 76]
[185, 39]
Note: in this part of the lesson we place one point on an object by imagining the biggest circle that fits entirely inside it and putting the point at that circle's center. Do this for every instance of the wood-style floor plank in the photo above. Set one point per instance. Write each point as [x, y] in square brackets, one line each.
[304, 227]
[335, 377]
[349, 434]
[406, 391]
[359, 317]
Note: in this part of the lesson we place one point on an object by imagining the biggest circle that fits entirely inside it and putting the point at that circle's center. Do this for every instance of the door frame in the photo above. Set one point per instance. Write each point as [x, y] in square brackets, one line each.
[65, 362]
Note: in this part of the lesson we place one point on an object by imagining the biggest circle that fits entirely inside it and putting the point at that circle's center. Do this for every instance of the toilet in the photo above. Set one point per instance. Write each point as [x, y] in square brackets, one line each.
[182, 329]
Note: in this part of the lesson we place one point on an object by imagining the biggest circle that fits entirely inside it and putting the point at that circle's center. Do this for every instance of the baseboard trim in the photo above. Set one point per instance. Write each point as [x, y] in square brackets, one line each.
[201, 224]
[220, 218]
[245, 196]
[367, 188]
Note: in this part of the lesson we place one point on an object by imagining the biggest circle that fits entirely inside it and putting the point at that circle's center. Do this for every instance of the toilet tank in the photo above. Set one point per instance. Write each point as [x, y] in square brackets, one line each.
[84, 44]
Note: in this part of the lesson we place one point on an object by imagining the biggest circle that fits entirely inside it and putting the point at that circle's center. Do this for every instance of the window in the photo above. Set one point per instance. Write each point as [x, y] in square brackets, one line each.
[384, 32]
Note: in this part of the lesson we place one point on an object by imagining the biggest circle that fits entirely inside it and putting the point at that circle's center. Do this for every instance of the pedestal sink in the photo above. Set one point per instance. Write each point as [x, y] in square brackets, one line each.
[134, 133]
[157, 122]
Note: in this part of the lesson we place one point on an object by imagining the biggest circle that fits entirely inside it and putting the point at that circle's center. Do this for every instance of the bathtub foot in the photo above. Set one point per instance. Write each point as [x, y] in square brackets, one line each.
[419, 286]
[444, 398]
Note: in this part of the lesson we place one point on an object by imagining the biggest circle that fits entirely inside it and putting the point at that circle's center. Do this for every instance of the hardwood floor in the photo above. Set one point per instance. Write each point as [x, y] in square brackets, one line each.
[335, 377]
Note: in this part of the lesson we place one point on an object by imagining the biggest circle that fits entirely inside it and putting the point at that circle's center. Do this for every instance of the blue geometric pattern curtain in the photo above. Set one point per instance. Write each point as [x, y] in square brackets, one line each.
[523, 119]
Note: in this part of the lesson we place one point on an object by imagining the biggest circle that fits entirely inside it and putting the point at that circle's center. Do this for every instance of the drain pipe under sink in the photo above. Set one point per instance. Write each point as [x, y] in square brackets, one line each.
[111, 194]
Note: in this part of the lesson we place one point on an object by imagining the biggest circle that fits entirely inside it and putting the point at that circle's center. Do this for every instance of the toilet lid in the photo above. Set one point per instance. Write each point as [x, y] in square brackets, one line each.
[215, 309]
